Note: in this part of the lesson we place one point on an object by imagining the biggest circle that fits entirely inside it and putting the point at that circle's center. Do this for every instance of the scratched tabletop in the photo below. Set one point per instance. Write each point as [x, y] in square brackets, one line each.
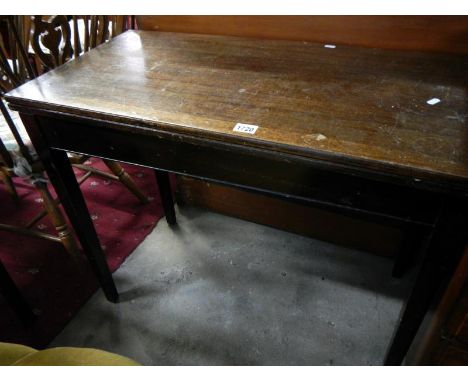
[402, 112]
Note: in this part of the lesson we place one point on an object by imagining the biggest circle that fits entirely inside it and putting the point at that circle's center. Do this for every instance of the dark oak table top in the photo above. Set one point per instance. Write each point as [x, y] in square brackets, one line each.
[344, 105]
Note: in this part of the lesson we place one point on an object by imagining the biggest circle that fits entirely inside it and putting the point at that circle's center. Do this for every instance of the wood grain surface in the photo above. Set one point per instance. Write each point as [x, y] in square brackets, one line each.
[417, 33]
[347, 105]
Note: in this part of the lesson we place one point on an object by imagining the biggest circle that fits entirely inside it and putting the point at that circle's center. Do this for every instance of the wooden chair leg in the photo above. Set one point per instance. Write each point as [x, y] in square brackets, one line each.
[126, 180]
[64, 233]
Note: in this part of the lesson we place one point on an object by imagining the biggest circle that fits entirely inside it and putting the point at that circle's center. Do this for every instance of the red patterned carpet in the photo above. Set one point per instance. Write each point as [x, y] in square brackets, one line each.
[54, 285]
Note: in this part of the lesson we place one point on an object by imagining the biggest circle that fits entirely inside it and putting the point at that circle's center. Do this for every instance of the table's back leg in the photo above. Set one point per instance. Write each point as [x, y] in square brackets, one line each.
[411, 245]
[445, 248]
[165, 191]
[62, 177]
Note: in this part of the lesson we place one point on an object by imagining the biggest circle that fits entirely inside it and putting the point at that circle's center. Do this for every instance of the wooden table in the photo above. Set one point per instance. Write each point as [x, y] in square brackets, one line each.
[343, 128]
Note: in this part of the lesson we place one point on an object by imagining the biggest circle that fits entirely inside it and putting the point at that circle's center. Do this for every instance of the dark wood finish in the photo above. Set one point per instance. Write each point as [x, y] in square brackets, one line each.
[16, 74]
[450, 354]
[411, 246]
[286, 215]
[22, 44]
[63, 179]
[457, 324]
[86, 34]
[55, 35]
[377, 99]
[165, 191]
[447, 242]
[12, 47]
[422, 33]
[445, 339]
[76, 38]
[387, 156]
[118, 25]
[306, 220]
[99, 30]
[96, 32]
[366, 198]
[426, 33]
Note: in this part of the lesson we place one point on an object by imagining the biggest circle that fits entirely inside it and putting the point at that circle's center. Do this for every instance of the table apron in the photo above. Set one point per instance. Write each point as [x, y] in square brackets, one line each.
[262, 171]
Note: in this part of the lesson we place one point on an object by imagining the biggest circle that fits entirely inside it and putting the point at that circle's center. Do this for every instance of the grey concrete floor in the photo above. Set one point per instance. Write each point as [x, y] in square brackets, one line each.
[221, 291]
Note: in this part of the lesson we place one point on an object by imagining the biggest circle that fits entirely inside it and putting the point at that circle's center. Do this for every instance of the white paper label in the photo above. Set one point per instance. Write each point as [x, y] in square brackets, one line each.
[245, 128]
[329, 46]
[433, 101]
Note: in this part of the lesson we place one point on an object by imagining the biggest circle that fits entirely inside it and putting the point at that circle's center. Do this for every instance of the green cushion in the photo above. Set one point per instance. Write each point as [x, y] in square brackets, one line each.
[19, 355]
[11, 353]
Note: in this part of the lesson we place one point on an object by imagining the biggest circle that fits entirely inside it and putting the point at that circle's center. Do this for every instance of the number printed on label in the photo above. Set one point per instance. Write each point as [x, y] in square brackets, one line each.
[245, 128]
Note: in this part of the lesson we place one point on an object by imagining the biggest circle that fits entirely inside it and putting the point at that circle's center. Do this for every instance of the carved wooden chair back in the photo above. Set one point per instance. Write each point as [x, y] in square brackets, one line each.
[95, 32]
[55, 42]
[15, 69]
[52, 42]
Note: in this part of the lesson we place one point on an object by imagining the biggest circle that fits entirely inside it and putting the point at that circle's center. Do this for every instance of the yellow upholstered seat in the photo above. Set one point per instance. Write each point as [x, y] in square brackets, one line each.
[19, 355]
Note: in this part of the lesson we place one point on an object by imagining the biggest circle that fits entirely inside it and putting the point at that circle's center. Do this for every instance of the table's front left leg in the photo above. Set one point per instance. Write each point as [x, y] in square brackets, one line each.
[61, 175]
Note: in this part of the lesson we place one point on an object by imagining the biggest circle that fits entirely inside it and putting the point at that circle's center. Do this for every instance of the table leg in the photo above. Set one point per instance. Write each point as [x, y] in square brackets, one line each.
[61, 175]
[411, 245]
[164, 184]
[445, 248]
[11, 293]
